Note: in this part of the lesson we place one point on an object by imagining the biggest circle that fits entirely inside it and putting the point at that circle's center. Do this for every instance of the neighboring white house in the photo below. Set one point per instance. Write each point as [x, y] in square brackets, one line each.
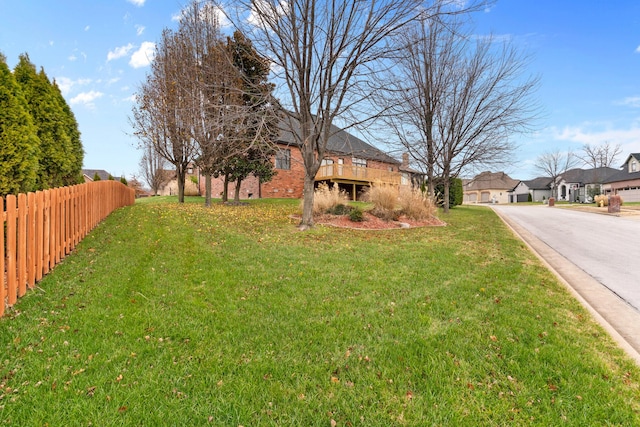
[539, 189]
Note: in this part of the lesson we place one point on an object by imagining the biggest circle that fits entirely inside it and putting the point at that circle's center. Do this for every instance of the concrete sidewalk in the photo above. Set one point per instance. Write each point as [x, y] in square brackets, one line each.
[615, 315]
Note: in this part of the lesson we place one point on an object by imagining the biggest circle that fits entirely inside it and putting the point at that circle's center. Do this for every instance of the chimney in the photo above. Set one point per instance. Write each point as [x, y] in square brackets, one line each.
[405, 160]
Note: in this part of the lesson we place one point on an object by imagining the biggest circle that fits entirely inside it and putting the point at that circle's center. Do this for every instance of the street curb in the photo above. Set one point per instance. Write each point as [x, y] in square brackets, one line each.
[607, 308]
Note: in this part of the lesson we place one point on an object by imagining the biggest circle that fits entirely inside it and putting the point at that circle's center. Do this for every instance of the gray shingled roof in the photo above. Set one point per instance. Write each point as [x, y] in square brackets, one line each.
[103, 174]
[623, 175]
[540, 183]
[590, 176]
[340, 142]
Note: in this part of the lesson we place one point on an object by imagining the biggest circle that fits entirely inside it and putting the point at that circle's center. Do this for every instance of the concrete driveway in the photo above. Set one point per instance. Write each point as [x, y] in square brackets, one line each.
[597, 256]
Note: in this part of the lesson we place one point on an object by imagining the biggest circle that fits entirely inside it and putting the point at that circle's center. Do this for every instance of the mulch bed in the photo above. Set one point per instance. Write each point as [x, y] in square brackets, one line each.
[372, 222]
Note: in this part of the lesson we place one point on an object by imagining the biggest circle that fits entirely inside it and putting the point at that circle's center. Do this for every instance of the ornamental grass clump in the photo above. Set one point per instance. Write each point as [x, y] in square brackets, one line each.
[417, 205]
[327, 198]
[601, 200]
[385, 201]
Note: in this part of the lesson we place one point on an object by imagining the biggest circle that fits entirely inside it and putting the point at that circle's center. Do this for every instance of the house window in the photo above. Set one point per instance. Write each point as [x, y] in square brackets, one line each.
[405, 179]
[359, 162]
[283, 159]
[633, 166]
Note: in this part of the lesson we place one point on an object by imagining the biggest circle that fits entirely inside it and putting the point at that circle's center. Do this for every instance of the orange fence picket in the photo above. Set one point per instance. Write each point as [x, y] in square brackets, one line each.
[41, 228]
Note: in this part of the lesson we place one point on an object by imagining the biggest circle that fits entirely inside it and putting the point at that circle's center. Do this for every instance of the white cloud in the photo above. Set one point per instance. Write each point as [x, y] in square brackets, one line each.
[139, 29]
[206, 10]
[638, 49]
[138, 3]
[143, 56]
[86, 98]
[72, 57]
[87, 28]
[631, 101]
[588, 134]
[66, 84]
[119, 52]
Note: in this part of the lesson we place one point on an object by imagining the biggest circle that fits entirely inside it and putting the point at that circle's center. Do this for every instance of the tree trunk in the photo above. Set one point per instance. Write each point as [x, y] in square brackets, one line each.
[236, 193]
[225, 188]
[307, 205]
[207, 190]
[445, 202]
[181, 177]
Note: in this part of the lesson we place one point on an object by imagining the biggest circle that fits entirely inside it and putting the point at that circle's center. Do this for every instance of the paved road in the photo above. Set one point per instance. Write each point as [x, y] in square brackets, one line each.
[597, 255]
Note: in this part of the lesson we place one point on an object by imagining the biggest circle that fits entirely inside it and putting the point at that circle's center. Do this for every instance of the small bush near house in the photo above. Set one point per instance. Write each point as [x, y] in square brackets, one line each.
[417, 205]
[340, 209]
[356, 215]
[326, 198]
[601, 200]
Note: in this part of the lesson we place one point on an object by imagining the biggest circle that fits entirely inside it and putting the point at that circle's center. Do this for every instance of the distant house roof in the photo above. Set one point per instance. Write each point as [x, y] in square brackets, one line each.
[632, 155]
[624, 174]
[340, 142]
[89, 174]
[492, 180]
[590, 176]
[540, 183]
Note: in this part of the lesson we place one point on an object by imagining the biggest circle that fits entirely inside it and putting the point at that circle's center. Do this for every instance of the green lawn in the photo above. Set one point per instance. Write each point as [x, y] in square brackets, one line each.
[179, 315]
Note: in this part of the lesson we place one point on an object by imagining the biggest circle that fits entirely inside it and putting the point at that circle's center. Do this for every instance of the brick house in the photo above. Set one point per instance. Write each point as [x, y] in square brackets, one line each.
[350, 162]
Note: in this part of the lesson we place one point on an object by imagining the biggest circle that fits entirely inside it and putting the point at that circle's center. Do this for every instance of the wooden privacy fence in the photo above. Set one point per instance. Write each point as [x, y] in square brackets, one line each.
[41, 228]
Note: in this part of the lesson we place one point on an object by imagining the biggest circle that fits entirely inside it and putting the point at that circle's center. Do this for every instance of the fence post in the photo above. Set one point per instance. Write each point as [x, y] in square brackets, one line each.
[3, 293]
[31, 242]
[11, 249]
[46, 242]
[22, 244]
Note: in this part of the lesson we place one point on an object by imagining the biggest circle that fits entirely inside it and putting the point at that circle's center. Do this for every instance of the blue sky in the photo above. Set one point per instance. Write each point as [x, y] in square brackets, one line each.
[587, 54]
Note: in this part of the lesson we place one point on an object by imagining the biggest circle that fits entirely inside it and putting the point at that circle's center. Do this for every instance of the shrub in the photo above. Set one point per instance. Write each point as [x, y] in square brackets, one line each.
[456, 192]
[356, 215]
[339, 209]
[601, 200]
[417, 205]
[326, 198]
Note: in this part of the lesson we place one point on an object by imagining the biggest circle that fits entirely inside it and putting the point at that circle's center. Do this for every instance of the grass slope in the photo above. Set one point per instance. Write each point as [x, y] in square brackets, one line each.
[172, 314]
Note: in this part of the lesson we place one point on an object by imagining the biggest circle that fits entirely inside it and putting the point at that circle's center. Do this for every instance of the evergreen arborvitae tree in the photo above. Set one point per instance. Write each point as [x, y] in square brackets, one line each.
[18, 137]
[49, 118]
[73, 173]
[96, 177]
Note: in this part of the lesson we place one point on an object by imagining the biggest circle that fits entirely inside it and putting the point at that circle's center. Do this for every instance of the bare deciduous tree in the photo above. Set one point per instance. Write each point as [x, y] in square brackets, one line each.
[600, 156]
[462, 99]
[152, 169]
[552, 164]
[162, 117]
[323, 53]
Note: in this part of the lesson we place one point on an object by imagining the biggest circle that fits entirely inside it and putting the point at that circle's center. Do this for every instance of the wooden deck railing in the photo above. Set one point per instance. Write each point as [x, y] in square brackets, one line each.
[356, 173]
[41, 228]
